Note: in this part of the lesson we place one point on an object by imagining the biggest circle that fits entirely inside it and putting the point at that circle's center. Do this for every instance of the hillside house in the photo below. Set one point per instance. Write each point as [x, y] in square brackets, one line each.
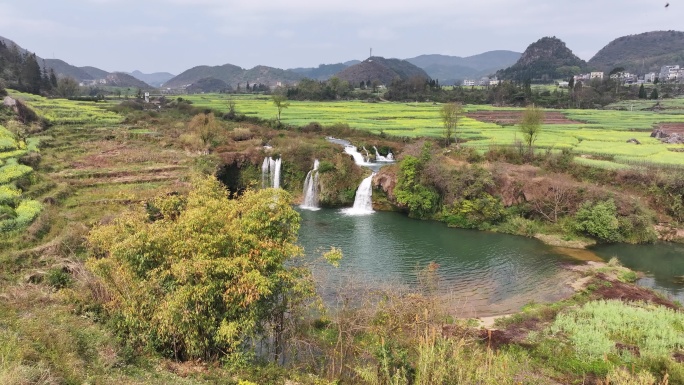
[596, 75]
[563, 84]
[469, 82]
[650, 77]
[669, 73]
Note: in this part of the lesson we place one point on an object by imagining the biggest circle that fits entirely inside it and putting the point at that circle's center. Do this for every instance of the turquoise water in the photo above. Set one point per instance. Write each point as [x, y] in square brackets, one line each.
[480, 273]
[660, 262]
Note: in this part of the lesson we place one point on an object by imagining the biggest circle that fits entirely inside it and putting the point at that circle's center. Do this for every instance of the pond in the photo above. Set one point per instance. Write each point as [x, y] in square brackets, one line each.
[480, 273]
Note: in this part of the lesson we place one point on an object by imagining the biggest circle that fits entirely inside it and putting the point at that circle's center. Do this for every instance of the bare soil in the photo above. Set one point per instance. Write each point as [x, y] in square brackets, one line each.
[672, 128]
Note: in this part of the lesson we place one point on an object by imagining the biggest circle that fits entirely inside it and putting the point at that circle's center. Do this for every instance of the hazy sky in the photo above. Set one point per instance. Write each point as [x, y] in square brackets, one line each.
[174, 35]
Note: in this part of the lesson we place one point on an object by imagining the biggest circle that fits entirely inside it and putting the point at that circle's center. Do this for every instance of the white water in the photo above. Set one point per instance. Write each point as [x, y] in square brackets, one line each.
[270, 173]
[358, 158]
[265, 181]
[276, 173]
[380, 158]
[311, 189]
[363, 203]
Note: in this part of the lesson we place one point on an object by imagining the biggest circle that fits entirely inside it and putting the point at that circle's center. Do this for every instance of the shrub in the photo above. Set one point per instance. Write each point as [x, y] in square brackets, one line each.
[599, 220]
[205, 276]
[481, 212]
[420, 199]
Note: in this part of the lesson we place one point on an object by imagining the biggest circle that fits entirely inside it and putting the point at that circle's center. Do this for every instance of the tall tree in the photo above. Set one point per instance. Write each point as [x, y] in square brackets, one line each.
[531, 125]
[67, 87]
[281, 103]
[450, 114]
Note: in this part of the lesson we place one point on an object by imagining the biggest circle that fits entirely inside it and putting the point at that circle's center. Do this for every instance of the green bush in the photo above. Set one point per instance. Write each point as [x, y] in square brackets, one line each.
[420, 199]
[206, 276]
[598, 220]
[479, 213]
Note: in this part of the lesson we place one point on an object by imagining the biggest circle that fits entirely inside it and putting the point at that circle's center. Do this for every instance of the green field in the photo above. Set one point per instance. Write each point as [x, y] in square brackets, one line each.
[63, 111]
[598, 138]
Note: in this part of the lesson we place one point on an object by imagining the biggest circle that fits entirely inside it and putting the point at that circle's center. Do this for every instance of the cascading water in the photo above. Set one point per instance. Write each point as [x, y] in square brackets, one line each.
[311, 189]
[270, 172]
[265, 181]
[276, 173]
[380, 158]
[358, 158]
[363, 202]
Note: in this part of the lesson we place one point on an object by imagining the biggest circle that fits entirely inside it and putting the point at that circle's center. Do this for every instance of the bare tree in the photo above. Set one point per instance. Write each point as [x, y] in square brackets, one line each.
[450, 113]
[554, 203]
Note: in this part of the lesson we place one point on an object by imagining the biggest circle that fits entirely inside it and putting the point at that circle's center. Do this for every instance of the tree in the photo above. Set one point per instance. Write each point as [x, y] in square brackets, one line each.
[450, 114]
[67, 87]
[531, 124]
[200, 276]
[280, 101]
[642, 92]
[205, 126]
[654, 94]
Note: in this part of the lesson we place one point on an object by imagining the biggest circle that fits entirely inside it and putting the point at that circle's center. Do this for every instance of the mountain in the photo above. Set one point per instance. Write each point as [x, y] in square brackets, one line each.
[322, 72]
[642, 53]
[377, 68]
[155, 79]
[63, 68]
[233, 75]
[94, 72]
[544, 60]
[452, 68]
[121, 79]
[208, 85]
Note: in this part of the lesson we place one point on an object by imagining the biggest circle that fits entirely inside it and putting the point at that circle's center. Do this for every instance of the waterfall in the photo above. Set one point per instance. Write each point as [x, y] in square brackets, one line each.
[270, 173]
[363, 203]
[264, 174]
[380, 158]
[311, 189]
[276, 173]
[358, 158]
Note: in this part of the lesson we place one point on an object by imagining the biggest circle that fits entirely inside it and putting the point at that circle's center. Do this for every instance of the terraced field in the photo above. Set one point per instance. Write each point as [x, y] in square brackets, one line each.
[94, 165]
[598, 137]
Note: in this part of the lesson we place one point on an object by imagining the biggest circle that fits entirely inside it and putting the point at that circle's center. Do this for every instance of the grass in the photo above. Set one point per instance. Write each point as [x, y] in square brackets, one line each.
[63, 111]
[598, 133]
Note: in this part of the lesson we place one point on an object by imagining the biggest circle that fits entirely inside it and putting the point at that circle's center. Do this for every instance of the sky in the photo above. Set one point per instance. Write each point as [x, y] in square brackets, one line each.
[175, 35]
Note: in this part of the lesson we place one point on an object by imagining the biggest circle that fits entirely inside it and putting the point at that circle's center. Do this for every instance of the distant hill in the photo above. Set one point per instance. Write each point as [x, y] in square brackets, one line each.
[155, 79]
[208, 85]
[544, 60]
[382, 70]
[233, 75]
[322, 72]
[449, 69]
[94, 72]
[641, 53]
[121, 79]
[63, 68]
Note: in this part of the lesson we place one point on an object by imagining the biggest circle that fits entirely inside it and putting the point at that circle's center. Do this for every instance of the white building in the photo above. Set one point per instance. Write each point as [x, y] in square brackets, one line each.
[468, 82]
[668, 73]
[596, 75]
[650, 77]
